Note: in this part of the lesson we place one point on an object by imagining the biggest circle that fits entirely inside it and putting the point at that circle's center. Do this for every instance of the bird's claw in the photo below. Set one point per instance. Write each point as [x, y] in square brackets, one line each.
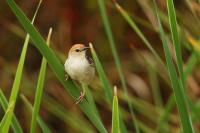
[66, 76]
[80, 98]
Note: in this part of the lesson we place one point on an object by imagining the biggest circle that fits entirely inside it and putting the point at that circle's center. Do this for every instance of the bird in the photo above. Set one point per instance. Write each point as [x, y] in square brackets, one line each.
[80, 67]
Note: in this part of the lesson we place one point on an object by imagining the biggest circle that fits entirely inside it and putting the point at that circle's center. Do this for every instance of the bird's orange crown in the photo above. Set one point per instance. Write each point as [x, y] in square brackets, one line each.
[75, 46]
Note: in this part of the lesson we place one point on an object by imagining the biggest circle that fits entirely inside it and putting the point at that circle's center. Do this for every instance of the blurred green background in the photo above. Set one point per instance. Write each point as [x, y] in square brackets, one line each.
[75, 21]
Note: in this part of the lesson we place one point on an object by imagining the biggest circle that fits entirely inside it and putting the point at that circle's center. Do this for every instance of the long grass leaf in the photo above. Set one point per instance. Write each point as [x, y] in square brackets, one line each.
[107, 27]
[105, 83]
[139, 33]
[55, 64]
[176, 42]
[192, 61]
[14, 123]
[175, 36]
[90, 98]
[103, 78]
[39, 89]
[4, 124]
[176, 84]
[115, 113]
[16, 84]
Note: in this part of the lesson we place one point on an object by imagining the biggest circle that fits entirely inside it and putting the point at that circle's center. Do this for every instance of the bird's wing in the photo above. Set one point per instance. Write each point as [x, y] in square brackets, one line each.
[90, 61]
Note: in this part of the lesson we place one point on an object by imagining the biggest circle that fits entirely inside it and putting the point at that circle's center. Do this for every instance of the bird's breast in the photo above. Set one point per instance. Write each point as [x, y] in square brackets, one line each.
[79, 69]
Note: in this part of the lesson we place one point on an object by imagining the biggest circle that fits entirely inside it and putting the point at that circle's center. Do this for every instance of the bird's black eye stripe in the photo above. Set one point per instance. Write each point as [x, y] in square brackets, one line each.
[77, 50]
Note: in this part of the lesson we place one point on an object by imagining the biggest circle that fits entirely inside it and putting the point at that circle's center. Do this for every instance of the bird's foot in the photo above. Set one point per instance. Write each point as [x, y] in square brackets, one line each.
[66, 76]
[80, 98]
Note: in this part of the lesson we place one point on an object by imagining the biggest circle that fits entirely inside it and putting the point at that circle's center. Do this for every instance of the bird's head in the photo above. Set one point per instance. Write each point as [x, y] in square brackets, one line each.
[78, 50]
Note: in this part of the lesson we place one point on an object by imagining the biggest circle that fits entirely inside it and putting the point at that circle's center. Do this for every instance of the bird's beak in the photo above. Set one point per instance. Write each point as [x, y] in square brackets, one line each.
[85, 48]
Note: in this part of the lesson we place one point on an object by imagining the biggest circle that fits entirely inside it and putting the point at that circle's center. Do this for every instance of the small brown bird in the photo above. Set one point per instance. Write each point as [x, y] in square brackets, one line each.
[80, 67]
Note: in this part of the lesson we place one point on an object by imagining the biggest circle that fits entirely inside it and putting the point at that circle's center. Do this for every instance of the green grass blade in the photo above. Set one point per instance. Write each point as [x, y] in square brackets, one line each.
[14, 123]
[103, 78]
[39, 89]
[115, 113]
[105, 83]
[176, 85]
[107, 27]
[192, 61]
[16, 84]
[4, 124]
[55, 64]
[175, 37]
[139, 33]
[42, 124]
[90, 98]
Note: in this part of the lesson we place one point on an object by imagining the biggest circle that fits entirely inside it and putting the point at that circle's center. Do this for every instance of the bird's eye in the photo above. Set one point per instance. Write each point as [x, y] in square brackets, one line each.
[77, 50]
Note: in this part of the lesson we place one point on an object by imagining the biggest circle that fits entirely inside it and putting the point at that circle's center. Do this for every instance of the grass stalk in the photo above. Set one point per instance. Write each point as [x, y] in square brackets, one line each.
[175, 37]
[115, 113]
[139, 33]
[107, 27]
[103, 78]
[90, 98]
[14, 123]
[177, 83]
[105, 83]
[39, 89]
